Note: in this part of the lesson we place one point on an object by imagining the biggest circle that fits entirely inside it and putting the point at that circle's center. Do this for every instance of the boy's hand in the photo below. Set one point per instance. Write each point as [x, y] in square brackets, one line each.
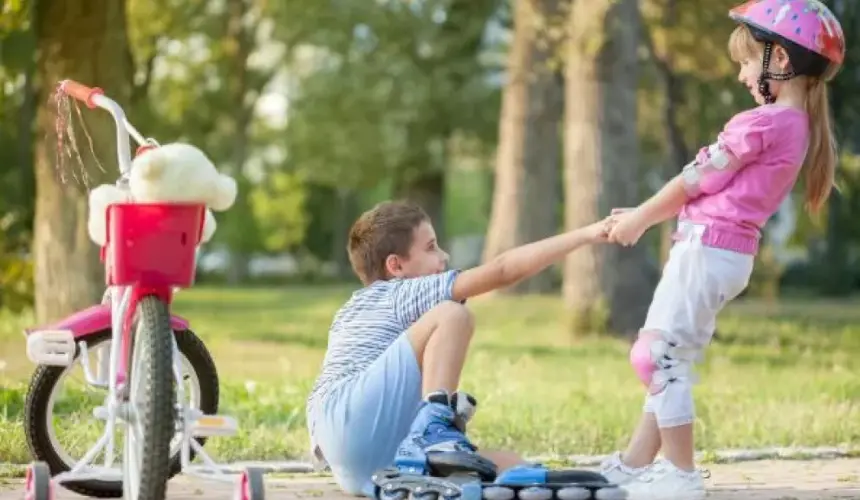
[628, 227]
[598, 232]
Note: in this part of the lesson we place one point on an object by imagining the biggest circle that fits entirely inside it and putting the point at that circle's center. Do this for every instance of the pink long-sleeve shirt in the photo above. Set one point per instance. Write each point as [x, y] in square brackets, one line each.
[736, 184]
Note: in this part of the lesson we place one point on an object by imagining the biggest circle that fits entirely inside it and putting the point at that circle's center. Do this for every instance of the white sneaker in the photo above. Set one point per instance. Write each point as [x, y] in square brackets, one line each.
[614, 470]
[664, 481]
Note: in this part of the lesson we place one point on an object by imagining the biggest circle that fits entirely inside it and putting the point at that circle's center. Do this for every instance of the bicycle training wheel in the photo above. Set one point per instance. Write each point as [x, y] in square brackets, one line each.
[152, 422]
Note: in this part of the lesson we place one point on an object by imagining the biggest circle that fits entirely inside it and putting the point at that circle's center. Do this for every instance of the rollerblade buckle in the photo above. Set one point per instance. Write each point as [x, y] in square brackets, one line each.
[51, 347]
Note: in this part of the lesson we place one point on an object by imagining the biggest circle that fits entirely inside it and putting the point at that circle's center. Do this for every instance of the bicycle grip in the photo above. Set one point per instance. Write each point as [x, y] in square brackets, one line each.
[80, 92]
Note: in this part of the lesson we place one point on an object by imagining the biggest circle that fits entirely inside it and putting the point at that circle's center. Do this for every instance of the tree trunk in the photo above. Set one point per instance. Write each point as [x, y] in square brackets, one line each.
[28, 119]
[845, 105]
[239, 219]
[604, 286]
[525, 197]
[85, 41]
[344, 216]
[426, 188]
[837, 281]
[678, 154]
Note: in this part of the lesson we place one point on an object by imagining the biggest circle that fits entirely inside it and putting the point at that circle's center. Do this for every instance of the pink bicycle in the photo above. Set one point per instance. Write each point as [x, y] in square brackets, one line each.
[145, 354]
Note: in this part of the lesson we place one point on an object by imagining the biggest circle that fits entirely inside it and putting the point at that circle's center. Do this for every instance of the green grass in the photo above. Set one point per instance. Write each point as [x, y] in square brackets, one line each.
[777, 375]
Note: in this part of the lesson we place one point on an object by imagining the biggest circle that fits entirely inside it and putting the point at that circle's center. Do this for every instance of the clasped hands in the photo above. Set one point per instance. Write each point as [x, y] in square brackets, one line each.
[624, 226]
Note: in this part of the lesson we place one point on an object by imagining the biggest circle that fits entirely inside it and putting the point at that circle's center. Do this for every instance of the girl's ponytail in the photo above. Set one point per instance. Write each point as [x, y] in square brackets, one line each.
[821, 158]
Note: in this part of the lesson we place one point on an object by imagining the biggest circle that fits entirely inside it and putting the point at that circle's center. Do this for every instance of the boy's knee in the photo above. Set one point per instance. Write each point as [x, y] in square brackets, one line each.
[446, 318]
[454, 313]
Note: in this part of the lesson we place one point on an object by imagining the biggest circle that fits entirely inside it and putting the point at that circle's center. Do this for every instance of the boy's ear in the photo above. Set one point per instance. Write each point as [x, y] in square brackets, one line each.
[393, 266]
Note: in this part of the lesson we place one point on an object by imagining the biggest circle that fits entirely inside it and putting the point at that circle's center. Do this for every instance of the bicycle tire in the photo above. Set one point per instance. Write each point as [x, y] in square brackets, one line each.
[41, 388]
[152, 372]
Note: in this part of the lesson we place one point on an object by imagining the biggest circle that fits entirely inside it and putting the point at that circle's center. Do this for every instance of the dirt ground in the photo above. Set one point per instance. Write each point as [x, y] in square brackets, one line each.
[764, 480]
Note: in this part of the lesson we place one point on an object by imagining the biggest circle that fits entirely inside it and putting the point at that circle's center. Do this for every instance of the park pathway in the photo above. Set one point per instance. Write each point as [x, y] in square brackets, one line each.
[763, 480]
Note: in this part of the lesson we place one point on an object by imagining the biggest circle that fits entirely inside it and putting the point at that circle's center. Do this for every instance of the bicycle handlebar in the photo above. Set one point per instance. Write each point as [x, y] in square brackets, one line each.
[81, 92]
[94, 97]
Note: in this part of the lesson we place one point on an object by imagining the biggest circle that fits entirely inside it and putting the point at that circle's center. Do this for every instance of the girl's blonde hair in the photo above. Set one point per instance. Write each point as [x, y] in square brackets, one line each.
[820, 164]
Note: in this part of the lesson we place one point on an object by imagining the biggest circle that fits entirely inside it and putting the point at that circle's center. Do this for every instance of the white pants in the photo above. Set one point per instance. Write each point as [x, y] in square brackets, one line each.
[696, 284]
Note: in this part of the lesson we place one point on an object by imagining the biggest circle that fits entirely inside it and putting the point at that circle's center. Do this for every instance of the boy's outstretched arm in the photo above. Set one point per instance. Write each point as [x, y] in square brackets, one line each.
[525, 261]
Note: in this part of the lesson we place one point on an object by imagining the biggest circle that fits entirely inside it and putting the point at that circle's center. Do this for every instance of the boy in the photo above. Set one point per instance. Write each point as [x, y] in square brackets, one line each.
[397, 347]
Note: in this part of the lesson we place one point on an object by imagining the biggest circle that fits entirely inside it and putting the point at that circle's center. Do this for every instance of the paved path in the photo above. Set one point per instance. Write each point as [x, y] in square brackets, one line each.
[765, 480]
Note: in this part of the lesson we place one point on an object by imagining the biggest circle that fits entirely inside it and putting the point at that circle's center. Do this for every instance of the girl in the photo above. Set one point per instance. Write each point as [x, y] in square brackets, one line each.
[787, 51]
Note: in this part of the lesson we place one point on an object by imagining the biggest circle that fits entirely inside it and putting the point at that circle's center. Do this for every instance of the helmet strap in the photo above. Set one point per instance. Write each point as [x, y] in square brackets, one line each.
[763, 84]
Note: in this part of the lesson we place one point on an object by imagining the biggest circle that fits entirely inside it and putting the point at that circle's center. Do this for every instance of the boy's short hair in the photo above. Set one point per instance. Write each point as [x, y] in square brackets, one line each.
[387, 228]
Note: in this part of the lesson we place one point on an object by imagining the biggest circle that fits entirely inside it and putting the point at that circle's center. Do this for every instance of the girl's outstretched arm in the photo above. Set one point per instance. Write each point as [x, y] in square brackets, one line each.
[631, 224]
[664, 204]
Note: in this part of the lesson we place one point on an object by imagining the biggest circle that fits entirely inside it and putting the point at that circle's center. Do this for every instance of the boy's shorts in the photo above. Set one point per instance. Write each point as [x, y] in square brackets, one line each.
[361, 423]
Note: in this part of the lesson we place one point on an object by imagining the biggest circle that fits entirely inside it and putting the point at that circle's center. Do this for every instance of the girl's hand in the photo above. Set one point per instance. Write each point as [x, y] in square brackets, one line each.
[628, 227]
[598, 232]
[614, 215]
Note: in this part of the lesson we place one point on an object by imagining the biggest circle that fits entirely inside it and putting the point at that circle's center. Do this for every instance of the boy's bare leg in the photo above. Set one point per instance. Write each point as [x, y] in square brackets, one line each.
[504, 460]
[644, 444]
[440, 340]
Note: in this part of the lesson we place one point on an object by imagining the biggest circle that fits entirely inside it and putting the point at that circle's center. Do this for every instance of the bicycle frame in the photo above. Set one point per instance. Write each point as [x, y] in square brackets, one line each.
[124, 299]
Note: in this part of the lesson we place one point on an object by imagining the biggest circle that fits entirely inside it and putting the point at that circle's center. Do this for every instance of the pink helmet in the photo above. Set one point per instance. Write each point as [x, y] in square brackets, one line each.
[807, 29]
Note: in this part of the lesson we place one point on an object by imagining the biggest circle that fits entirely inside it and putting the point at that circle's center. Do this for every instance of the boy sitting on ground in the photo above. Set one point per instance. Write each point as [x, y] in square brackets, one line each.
[396, 349]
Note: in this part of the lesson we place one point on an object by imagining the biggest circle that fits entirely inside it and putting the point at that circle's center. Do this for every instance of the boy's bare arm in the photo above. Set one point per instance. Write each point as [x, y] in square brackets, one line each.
[523, 262]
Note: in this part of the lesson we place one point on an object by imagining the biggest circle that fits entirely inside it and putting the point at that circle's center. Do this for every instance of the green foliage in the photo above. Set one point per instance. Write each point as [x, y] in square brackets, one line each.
[278, 206]
[14, 16]
[691, 39]
[16, 276]
[386, 100]
[16, 173]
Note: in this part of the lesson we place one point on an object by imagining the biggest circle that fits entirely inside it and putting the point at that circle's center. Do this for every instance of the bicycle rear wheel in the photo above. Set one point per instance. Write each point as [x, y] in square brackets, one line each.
[151, 398]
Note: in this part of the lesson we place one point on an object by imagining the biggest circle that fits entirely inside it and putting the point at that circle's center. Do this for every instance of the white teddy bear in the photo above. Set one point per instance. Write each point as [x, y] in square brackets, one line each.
[174, 172]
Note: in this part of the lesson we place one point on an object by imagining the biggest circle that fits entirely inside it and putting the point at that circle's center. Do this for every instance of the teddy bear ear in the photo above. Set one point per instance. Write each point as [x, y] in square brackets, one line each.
[149, 165]
[99, 199]
[224, 194]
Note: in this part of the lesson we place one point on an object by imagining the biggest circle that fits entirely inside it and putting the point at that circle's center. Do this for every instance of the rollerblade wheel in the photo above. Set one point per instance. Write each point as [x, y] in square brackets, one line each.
[38, 482]
[610, 493]
[574, 493]
[535, 493]
[499, 493]
[250, 485]
[392, 493]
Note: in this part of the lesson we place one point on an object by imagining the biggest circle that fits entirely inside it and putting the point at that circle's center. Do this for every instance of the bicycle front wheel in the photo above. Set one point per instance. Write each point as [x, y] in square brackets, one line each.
[151, 414]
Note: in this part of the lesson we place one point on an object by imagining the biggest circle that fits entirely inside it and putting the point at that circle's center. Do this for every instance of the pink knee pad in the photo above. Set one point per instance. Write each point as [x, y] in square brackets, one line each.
[641, 358]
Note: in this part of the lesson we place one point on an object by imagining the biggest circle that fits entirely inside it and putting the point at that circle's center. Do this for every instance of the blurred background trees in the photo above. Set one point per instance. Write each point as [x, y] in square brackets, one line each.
[507, 120]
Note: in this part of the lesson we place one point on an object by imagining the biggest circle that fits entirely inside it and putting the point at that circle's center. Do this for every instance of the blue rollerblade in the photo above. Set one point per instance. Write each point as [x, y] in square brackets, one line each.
[437, 461]
[437, 444]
